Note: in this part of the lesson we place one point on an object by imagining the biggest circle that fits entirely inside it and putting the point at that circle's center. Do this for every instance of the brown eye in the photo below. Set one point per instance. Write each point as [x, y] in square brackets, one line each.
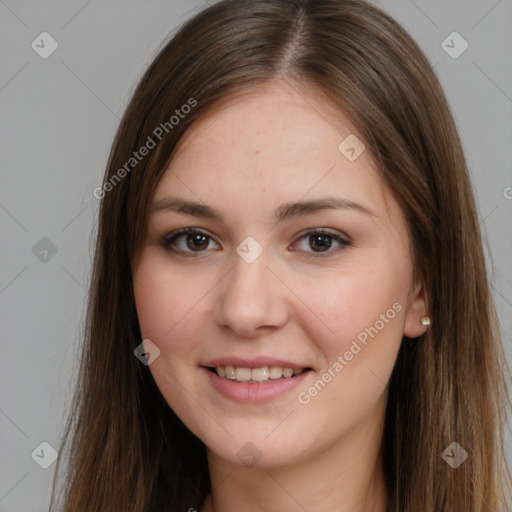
[320, 242]
[196, 241]
[188, 240]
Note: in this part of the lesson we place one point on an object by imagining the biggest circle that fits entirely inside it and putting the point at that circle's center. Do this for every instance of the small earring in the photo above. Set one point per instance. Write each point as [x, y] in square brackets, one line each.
[425, 320]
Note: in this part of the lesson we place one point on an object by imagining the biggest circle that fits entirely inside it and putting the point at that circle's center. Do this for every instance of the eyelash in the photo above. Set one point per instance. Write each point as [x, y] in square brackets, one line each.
[167, 241]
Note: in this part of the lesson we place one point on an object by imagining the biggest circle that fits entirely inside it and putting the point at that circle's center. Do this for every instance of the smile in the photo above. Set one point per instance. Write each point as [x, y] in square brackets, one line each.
[255, 385]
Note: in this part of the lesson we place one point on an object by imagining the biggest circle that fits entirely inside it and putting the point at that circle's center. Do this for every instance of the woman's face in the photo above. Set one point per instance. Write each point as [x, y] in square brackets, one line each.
[253, 291]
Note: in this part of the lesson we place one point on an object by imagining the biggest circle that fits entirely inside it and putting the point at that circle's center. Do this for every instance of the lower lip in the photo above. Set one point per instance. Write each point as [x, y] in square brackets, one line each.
[254, 393]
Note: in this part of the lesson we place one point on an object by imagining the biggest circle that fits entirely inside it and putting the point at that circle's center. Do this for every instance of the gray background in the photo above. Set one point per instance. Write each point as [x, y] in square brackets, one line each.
[57, 121]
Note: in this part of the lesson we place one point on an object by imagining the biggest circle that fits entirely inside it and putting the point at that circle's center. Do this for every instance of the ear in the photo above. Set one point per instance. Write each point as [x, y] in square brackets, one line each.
[417, 309]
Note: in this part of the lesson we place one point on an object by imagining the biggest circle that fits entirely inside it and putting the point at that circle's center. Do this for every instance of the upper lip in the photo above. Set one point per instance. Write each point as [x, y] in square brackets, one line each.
[255, 362]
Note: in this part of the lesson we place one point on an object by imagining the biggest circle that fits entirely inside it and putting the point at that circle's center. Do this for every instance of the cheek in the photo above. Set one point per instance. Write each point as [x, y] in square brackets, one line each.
[366, 314]
[155, 304]
[169, 310]
[167, 306]
[360, 307]
[349, 305]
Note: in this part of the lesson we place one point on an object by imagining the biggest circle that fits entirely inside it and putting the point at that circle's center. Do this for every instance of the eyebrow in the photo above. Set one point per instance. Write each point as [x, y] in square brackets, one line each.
[285, 212]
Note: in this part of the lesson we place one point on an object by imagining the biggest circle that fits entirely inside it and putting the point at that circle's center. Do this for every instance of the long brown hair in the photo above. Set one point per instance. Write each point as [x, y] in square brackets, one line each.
[129, 451]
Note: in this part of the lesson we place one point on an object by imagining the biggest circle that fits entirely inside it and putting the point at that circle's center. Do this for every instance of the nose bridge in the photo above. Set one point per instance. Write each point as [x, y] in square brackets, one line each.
[251, 296]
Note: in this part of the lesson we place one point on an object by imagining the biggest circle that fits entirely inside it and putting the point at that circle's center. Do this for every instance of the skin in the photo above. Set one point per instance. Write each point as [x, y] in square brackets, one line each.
[245, 159]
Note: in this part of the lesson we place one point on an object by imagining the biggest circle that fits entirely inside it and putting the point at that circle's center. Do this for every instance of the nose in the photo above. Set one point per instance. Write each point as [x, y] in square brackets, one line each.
[251, 299]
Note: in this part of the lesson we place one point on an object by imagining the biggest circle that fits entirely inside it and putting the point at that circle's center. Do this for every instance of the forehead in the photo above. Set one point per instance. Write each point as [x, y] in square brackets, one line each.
[276, 120]
[278, 143]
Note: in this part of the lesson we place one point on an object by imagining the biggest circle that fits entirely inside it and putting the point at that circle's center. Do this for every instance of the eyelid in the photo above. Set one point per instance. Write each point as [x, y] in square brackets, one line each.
[187, 230]
[328, 231]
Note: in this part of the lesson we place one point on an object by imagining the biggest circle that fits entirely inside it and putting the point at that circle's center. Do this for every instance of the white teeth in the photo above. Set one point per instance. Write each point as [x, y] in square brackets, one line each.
[230, 372]
[243, 374]
[262, 374]
[276, 372]
[287, 372]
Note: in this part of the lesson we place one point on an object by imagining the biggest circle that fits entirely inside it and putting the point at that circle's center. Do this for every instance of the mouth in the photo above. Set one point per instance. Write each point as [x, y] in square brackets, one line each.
[256, 384]
[259, 375]
[254, 379]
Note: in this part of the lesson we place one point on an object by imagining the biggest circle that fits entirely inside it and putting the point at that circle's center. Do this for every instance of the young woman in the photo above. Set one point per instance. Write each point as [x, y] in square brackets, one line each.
[289, 307]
